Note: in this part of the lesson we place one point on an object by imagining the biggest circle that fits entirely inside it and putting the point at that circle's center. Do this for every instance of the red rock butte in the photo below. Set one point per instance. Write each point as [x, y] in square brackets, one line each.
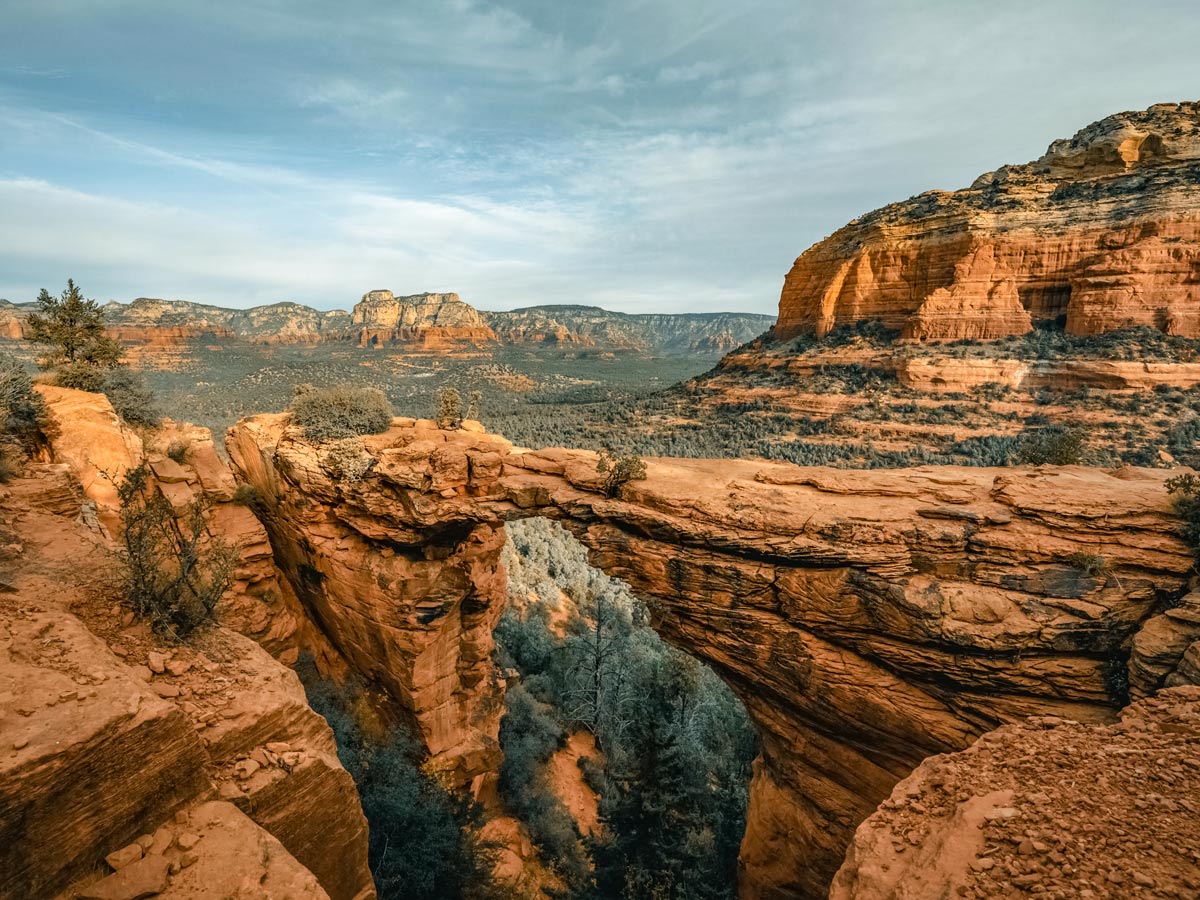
[1101, 233]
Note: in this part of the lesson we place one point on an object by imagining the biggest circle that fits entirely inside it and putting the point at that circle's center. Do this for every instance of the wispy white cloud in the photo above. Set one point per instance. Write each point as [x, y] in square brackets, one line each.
[674, 154]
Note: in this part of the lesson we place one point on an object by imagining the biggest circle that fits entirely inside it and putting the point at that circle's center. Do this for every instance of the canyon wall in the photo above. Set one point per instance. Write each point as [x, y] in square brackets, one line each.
[134, 764]
[867, 619]
[1102, 231]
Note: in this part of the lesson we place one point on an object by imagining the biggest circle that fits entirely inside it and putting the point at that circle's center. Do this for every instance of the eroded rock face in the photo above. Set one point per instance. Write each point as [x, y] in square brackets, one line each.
[113, 740]
[1044, 805]
[1103, 229]
[867, 619]
[429, 319]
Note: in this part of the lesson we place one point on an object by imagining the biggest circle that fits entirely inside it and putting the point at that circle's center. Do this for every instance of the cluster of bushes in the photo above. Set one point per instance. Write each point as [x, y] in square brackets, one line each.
[675, 744]
[424, 840]
[339, 412]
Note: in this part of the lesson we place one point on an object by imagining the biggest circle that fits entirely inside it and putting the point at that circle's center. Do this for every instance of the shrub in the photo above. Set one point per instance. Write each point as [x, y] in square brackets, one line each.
[130, 397]
[1185, 491]
[174, 571]
[9, 468]
[348, 460]
[23, 413]
[449, 408]
[1056, 446]
[424, 841]
[619, 471]
[1091, 564]
[81, 376]
[245, 495]
[340, 412]
[178, 451]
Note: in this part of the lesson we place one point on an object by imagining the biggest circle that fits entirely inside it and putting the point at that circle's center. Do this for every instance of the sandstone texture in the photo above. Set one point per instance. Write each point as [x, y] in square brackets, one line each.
[108, 733]
[867, 619]
[1103, 231]
[1047, 806]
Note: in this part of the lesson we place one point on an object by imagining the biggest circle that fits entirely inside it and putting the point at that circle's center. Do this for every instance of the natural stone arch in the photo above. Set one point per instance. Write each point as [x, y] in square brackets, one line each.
[866, 619]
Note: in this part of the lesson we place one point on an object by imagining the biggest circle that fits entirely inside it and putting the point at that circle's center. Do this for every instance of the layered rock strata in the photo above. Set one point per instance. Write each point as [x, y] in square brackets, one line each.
[1102, 231]
[114, 731]
[867, 619]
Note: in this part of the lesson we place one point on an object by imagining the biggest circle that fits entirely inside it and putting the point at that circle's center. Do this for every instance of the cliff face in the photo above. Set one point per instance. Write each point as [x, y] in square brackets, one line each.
[589, 326]
[1103, 229]
[867, 619]
[194, 768]
[430, 320]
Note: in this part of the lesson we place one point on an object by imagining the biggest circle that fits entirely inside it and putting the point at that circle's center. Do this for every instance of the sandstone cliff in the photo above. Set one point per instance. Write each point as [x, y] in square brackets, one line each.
[1102, 231]
[1048, 806]
[429, 320]
[867, 619]
[185, 770]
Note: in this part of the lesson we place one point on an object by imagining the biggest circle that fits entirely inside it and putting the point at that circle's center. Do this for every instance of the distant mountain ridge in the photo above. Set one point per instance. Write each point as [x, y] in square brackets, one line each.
[427, 321]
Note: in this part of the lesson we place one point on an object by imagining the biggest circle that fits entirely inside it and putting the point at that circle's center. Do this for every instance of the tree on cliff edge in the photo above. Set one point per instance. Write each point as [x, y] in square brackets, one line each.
[74, 328]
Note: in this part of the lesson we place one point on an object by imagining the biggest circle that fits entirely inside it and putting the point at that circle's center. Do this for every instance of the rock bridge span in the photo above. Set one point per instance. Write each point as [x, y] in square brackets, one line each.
[866, 619]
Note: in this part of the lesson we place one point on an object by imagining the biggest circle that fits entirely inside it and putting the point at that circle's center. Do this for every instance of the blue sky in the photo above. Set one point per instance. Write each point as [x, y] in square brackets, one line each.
[642, 155]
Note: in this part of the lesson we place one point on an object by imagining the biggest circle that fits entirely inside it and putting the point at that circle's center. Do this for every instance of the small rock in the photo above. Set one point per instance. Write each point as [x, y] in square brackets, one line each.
[983, 864]
[187, 840]
[156, 661]
[278, 746]
[260, 756]
[119, 859]
[1143, 879]
[144, 878]
[245, 769]
[167, 691]
[1026, 848]
[120, 651]
[189, 859]
[145, 841]
[21, 743]
[178, 667]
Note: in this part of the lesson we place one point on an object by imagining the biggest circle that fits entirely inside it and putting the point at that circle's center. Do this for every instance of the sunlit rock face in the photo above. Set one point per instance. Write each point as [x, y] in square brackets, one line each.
[1103, 230]
[429, 319]
[867, 620]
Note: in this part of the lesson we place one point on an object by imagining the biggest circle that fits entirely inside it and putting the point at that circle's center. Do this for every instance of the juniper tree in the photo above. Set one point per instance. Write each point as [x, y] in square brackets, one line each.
[74, 328]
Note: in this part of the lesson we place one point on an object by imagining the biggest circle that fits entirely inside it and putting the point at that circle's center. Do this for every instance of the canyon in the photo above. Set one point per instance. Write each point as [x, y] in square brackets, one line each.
[966, 680]
[867, 620]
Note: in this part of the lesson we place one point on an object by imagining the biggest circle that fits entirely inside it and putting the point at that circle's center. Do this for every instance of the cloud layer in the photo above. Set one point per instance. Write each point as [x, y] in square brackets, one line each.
[672, 155]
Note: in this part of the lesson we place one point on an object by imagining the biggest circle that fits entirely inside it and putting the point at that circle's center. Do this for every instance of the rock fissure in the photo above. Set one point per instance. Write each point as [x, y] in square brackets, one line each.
[863, 628]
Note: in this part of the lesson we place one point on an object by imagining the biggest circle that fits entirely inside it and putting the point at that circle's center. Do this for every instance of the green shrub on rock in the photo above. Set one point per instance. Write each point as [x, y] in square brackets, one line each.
[340, 412]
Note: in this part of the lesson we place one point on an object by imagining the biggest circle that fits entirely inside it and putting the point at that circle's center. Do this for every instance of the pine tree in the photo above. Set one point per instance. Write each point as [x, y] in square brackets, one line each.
[74, 329]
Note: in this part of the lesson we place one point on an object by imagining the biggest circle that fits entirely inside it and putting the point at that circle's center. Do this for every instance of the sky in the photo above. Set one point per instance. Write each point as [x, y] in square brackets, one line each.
[640, 155]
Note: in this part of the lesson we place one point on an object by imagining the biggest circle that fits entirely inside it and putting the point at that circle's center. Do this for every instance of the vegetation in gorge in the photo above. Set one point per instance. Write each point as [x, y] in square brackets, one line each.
[675, 745]
[424, 840]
